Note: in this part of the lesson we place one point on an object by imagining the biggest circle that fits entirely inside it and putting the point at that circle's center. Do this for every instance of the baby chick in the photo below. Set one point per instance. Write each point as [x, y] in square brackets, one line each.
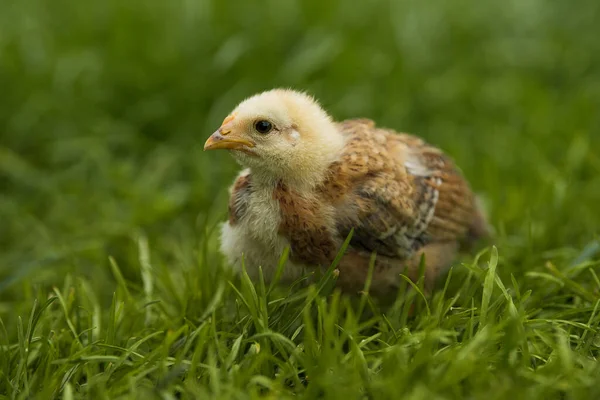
[308, 181]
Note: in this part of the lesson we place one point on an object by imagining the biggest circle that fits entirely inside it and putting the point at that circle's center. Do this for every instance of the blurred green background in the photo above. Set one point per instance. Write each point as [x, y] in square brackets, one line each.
[105, 106]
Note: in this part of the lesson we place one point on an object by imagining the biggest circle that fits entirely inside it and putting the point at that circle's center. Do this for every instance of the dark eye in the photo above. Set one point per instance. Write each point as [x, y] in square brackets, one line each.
[263, 126]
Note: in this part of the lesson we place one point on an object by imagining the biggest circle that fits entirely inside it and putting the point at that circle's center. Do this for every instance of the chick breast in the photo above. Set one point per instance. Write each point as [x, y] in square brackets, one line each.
[402, 196]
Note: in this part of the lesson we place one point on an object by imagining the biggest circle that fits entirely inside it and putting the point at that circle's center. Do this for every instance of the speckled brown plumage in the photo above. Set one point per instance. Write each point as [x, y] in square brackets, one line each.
[306, 227]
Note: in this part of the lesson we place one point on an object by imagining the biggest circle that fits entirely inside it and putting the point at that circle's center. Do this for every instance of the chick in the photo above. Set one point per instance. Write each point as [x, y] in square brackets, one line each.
[308, 181]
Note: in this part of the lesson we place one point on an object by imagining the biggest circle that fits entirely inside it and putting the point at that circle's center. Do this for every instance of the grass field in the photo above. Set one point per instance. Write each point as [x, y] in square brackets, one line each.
[111, 285]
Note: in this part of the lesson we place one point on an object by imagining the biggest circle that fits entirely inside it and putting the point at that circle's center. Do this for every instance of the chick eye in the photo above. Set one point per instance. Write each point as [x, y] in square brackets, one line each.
[263, 126]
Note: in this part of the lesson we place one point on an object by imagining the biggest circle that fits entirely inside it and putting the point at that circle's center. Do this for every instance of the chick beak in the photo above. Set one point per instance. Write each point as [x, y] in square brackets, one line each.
[225, 139]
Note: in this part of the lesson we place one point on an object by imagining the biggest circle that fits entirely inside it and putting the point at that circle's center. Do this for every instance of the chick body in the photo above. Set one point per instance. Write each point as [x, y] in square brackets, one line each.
[402, 197]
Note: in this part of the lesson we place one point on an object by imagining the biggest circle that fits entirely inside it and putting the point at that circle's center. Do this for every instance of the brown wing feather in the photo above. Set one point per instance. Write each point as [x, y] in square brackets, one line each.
[454, 210]
[401, 193]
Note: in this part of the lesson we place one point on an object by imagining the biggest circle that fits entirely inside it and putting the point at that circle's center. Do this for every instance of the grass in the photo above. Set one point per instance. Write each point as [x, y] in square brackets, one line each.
[111, 285]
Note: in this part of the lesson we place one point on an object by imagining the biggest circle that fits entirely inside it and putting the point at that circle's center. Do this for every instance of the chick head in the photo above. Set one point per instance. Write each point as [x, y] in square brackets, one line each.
[281, 135]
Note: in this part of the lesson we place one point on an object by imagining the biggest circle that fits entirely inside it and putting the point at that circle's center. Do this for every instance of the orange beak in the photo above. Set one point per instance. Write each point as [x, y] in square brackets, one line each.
[225, 139]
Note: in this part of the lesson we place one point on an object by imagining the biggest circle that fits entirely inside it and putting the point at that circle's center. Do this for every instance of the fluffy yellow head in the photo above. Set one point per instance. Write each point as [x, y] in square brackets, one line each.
[280, 135]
